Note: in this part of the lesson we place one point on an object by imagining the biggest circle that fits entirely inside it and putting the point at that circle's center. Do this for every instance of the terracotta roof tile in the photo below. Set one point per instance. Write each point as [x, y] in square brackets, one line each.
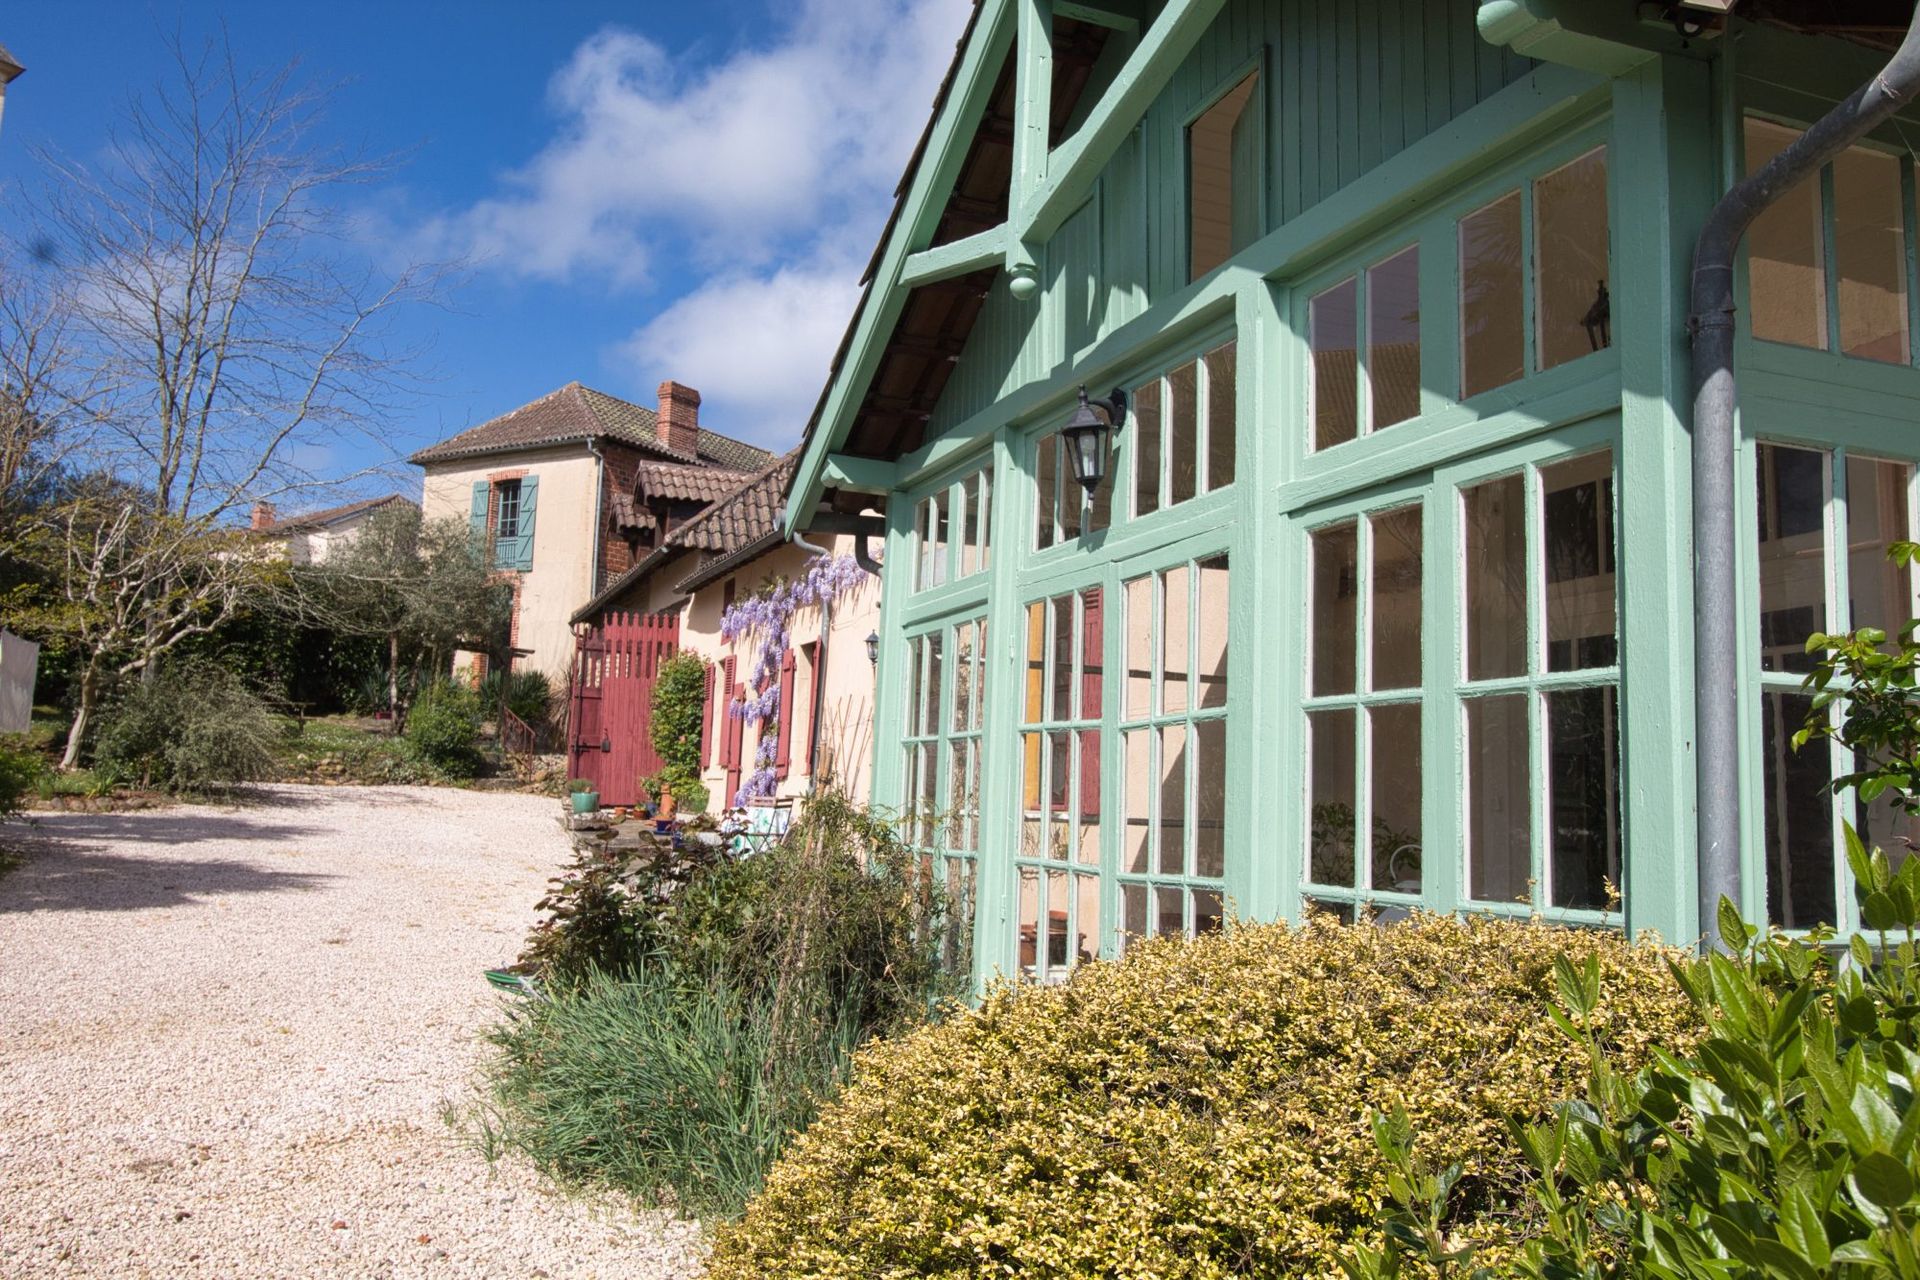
[332, 515]
[579, 413]
[673, 480]
[748, 513]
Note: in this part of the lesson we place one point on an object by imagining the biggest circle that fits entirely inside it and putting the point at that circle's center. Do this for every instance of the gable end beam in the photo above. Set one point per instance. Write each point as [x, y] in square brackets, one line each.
[958, 258]
[860, 475]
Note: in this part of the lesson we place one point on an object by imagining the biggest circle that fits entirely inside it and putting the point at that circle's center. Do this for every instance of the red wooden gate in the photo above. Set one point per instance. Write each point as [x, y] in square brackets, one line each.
[615, 665]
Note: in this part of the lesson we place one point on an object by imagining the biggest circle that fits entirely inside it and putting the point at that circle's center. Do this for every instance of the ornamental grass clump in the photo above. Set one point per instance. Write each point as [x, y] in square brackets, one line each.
[1201, 1108]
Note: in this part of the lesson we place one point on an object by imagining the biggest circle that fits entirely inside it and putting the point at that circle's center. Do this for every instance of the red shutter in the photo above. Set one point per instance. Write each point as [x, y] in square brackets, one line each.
[710, 737]
[789, 720]
[731, 735]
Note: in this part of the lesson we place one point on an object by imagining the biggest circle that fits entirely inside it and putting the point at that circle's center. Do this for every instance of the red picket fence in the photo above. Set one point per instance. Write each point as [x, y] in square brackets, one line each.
[615, 665]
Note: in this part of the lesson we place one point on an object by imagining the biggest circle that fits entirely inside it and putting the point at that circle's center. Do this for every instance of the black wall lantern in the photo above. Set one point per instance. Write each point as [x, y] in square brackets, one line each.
[873, 647]
[1089, 436]
[1599, 319]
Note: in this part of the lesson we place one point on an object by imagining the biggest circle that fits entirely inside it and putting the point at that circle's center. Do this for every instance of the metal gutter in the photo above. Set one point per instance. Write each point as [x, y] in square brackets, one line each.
[1716, 619]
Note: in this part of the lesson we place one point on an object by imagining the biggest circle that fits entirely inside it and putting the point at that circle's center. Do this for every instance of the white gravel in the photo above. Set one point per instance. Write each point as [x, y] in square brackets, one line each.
[228, 1036]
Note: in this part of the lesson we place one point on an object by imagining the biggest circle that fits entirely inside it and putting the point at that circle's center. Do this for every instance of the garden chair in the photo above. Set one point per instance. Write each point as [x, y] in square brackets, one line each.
[767, 823]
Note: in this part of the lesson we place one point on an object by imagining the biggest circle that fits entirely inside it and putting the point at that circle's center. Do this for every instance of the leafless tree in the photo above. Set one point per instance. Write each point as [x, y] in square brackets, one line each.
[216, 333]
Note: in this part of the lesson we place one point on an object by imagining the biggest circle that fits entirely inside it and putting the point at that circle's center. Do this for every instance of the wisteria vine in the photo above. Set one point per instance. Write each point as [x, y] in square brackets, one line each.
[767, 618]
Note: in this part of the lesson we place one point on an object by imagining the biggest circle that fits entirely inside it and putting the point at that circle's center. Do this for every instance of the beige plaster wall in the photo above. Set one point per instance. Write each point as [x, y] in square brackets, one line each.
[845, 749]
[561, 579]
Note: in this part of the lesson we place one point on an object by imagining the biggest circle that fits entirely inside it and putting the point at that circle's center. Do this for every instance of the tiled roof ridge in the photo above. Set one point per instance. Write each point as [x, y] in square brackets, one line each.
[726, 505]
[327, 515]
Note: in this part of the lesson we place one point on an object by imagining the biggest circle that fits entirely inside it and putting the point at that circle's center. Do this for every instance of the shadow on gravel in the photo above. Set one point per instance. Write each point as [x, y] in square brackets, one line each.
[171, 826]
[59, 875]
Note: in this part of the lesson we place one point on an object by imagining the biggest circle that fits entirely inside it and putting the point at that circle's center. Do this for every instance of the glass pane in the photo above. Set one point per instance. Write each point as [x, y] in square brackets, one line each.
[1576, 499]
[1133, 909]
[1336, 554]
[983, 520]
[1881, 592]
[1060, 608]
[1394, 792]
[1086, 919]
[1097, 513]
[964, 528]
[1210, 798]
[1786, 274]
[1092, 654]
[1793, 553]
[1332, 328]
[927, 804]
[1138, 745]
[960, 796]
[916, 686]
[1499, 800]
[1087, 787]
[1583, 781]
[1036, 661]
[1341, 911]
[1173, 799]
[1073, 498]
[963, 660]
[1393, 338]
[1799, 816]
[1223, 168]
[1032, 843]
[1046, 489]
[1208, 912]
[1170, 911]
[1139, 603]
[930, 712]
[1570, 261]
[1210, 663]
[1146, 449]
[1058, 957]
[1492, 326]
[1221, 409]
[1183, 432]
[1330, 845]
[1870, 254]
[910, 795]
[1395, 586]
[1496, 573]
[1059, 791]
[934, 559]
[1029, 929]
[972, 798]
[1173, 641]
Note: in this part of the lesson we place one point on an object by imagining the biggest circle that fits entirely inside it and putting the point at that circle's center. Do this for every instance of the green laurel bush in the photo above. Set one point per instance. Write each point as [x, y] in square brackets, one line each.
[1202, 1108]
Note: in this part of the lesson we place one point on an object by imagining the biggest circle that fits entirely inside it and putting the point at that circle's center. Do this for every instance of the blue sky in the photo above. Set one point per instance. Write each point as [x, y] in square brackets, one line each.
[645, 190]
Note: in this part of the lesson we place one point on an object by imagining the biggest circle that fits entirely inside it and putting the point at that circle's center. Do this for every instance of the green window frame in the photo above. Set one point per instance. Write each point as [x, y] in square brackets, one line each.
[943, 756]
[953, 530]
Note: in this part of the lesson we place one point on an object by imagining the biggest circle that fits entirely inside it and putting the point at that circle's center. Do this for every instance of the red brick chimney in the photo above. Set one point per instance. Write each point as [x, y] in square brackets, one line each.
[679, 418]
[263, 514]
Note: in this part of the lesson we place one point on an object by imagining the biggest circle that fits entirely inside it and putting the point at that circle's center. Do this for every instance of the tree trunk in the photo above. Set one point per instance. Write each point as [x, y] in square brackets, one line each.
[393, 682]
[82, 715]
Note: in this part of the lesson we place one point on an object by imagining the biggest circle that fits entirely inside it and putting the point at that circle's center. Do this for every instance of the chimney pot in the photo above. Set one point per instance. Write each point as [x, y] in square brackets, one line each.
[678, 420]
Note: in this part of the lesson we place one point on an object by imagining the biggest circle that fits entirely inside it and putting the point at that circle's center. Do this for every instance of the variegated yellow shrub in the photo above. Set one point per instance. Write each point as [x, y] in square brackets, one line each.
[1198, 1109]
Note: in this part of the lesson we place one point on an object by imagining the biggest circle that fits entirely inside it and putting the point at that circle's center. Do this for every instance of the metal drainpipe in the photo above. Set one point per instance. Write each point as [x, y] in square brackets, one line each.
[1712, 328]
[819, 669]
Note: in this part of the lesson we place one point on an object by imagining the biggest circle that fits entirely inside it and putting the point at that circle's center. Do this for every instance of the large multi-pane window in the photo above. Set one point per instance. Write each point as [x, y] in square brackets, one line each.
[946, 690]
[1827, 263]
[1063, 510]
[1804, 498]
[1058, 861]
[1540, 250]
[953, 530]
[1361, 386]
[1183, 431]
[1173, 743]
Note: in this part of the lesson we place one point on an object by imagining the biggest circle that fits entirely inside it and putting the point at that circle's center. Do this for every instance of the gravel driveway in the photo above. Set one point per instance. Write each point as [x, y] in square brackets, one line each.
[228, 1035]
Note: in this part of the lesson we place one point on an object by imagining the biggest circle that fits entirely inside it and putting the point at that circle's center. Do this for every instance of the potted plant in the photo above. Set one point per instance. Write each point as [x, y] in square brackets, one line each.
[585, 798]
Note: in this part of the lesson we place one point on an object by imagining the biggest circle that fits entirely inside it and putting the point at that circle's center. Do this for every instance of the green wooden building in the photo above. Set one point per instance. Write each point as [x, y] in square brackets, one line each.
[1383, 598]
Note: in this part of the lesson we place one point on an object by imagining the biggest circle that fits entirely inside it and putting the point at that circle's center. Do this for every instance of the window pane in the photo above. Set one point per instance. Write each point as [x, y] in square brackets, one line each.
[1029, 932]
[927, 803]
[1583, 771]
[1210, 798]
[1799, 817]
[983, 520]
[1183, 432]
[1208, 911]
[1140, 619]
[1133, 909]
[1031, 842]
[1138, 745]
[1492, 327]
[1210, 664]
[1336, 553]
[964, 528]
[916, 687]
[1223, 167]
[1330, 844]
[1092, 659]
[1073, 498]
[1570, 259]
[1793, 553]
[1881, 591]
[1499, 801]
[1786, 275]
[1393, 338]
[1395, 587]
[1395, 796]
[1087, 787]
[1146, 449]
[1170, 913]
[1036, 661]
[1059, 789]
[1061, 611]
[1173, 799]
[1173, 642]
[1870, 253]
[930, 711]
[1576, 499]
[1086, 919]
[1222, 380]
[1331, 332]
[1057, 958]
[1496, 573]
[1046, 489]
[1098, 513]
[963, 659]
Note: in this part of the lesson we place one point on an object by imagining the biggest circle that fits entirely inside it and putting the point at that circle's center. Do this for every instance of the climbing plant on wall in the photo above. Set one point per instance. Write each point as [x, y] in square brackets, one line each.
[765, 619]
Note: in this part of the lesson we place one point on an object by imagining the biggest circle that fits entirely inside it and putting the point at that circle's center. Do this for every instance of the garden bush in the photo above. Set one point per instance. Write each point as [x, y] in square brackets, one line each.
[443, 728]
[193, 726]
[1199, 1108]
[529, 695]
[21, 769]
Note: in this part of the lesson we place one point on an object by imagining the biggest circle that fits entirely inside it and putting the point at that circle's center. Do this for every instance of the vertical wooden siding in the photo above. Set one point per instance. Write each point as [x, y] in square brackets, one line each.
[1345, 86]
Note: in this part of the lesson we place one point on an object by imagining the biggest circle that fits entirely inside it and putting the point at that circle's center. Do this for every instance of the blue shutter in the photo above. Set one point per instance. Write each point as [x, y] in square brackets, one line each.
[523, 544]
[482, 491]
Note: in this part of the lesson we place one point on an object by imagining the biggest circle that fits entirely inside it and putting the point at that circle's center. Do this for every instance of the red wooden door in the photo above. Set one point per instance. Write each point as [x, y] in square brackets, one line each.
[614, 676]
